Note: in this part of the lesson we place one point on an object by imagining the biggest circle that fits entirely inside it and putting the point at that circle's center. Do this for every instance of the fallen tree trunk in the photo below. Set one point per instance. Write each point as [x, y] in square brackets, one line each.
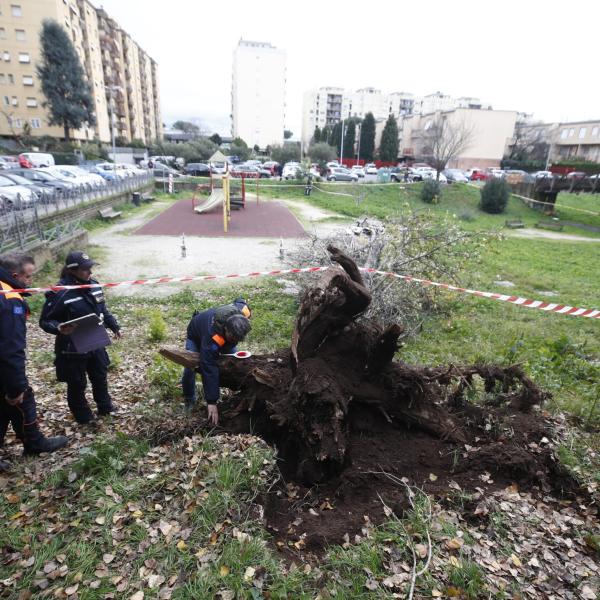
[339, 376]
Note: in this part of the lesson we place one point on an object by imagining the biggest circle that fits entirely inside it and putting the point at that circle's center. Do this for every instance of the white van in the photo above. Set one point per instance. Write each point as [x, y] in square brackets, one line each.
[36, 160]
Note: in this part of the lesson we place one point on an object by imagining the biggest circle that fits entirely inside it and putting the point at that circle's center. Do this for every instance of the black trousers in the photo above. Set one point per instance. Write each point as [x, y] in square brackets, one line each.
[75, 369]
[20, 416]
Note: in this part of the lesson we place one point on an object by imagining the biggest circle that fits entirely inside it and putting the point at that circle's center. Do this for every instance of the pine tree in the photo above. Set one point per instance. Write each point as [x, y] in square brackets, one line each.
[325, 134]
[367, 137]
[336, 137]
[68, 94]
[388, 151]
[349, 139]
[316, 138]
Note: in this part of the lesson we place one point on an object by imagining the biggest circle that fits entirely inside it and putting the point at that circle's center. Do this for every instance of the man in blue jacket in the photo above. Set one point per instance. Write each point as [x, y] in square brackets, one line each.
[211, 333]
[17, 402]
[73, 367]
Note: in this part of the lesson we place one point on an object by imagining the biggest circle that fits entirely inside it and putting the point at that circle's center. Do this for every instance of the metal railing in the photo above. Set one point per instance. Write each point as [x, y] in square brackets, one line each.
[21, 220]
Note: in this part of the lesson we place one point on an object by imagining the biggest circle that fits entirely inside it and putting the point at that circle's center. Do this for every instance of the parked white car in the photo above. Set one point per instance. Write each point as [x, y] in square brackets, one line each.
[423, 173]
[496, 172]
[36, 159]
[542, 174]
[291, 170]
[371, 169]
[91, 178]
[358, 170]
[120, 173]
[65, 175]
[14, 193]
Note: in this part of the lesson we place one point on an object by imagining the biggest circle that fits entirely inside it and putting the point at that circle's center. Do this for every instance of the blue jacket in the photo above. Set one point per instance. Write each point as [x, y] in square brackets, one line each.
[66, 305]
[13, 330]
[206, 330]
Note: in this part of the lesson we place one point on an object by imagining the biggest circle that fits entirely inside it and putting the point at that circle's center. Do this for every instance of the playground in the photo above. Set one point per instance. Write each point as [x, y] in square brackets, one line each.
[226, 213]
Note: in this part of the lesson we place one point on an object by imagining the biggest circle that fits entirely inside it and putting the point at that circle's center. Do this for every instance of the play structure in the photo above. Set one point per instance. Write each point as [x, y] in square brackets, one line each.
[225, 192]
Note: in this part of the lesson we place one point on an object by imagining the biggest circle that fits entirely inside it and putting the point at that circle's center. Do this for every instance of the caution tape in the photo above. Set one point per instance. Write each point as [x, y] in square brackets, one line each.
[517, 300]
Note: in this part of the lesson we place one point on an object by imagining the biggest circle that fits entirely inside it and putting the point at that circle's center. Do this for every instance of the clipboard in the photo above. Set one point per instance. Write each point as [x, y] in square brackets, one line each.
[89, 334]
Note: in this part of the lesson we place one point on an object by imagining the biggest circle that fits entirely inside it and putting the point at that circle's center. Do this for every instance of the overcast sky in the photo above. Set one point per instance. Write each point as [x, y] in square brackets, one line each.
[529, 55]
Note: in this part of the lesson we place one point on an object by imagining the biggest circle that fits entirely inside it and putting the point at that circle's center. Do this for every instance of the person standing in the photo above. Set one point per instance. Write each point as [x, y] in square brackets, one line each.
[72, 367]
[17, 401]
[211, 333]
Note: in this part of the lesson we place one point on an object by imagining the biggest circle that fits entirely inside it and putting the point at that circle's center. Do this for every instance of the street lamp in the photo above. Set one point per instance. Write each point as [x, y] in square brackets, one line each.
[342, 145]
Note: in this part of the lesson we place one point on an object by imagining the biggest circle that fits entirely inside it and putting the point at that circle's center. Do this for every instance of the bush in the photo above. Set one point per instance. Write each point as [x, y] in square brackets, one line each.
[165, 377]
[431, 191]
[494, 196]
[158, 328]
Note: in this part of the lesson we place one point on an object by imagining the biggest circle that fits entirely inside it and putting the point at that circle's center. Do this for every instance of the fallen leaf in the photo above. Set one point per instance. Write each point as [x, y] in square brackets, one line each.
[421, 550]
[12, 498]
[454, 543]
[249, 573]
[515, 560]
[587, 593]
[137, 596]
[454, 562]
[108, 558]
[181, 545]
[72, 589]
[436, 593]
[433, 477]
[165, 528]
[453, 592]
[224, 571]
[100, 519]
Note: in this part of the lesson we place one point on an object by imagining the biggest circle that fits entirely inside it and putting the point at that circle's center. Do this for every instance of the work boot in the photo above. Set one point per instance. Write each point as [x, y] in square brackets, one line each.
[35, 442]
[4, 466]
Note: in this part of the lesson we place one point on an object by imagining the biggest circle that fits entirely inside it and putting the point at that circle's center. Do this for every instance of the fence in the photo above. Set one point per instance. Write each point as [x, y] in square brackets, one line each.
[23, 223]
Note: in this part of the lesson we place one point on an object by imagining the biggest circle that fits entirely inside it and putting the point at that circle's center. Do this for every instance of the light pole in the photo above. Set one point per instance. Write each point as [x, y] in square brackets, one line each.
[342, 145]
[358, 147]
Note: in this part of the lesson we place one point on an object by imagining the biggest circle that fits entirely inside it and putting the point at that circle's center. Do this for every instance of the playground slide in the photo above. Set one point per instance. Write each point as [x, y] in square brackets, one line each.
[215, 199]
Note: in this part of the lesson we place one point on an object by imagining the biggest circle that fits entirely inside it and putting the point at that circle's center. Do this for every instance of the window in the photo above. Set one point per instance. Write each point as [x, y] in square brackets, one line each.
[15, 10]
[32, 102]
[20, 35]
[595, 132]
[6, 56]
[2, 33]
[15, 101]
[24, 57]
[6, 101]
[2, 79]
[11, 79]
[582, 132]
[17, 123]
[571, 132]
[27, 80]
[36, 123]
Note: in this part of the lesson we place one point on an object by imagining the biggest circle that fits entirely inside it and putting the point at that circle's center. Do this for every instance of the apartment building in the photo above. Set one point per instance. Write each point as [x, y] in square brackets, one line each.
[122, 77]
[490, 130]
[326, 106]
[258, 93]
[576, 140]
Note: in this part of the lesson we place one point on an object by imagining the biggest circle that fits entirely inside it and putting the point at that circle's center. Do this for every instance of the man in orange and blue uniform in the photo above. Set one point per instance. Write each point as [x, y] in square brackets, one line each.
[211, 333]
[17, 402]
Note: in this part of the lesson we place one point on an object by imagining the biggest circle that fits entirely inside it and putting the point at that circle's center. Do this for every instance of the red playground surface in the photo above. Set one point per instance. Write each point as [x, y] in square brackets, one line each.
[268, 218]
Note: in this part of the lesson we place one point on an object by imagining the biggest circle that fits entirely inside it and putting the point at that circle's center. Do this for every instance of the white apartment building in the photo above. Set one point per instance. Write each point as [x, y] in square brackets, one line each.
[442, 102]
[258, 93]
[328, 105]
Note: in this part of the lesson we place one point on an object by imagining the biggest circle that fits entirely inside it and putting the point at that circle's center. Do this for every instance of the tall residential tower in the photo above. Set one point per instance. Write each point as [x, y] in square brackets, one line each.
[258, 94]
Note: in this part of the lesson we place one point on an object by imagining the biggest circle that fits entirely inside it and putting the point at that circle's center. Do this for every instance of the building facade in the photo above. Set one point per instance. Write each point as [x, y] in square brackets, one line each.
[122, 77]
[489, 132]
[576, 140]
[326, 106]
[258, 94]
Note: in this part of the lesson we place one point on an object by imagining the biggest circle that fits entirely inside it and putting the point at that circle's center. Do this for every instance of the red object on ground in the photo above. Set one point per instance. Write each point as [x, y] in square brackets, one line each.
[480, 176]
[267, 219]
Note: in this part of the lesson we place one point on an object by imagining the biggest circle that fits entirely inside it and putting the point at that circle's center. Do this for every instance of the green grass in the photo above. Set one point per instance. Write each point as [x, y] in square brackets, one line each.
[584, 202]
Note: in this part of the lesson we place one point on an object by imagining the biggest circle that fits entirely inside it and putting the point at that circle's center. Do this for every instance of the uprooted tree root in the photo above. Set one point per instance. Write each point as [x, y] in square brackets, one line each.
[339, 410]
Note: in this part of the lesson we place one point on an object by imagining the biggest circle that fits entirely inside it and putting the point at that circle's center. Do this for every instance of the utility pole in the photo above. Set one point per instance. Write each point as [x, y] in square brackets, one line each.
[342, 145]
[359, 125]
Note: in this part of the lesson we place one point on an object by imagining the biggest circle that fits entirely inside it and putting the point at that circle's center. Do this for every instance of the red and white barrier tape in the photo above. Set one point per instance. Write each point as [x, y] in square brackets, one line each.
[539, 304]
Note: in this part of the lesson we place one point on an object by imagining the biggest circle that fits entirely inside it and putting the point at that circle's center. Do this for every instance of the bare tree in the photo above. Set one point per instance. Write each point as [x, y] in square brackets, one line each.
[444, 141]
[528, 143]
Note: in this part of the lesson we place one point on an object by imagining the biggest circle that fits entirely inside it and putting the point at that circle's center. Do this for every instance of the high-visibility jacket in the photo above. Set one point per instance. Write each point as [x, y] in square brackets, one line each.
[13, 336]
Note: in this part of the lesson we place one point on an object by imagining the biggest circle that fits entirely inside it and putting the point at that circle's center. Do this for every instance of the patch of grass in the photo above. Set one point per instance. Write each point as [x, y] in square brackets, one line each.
[157, 327]
[584, 202]
[165, 376]
[468, 578]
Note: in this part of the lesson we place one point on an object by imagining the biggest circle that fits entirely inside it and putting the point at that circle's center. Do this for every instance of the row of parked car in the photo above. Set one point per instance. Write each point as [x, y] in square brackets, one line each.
[26, 185]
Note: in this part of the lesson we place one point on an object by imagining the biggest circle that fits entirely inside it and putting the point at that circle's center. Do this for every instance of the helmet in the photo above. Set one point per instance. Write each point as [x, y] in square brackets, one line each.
[237, 326]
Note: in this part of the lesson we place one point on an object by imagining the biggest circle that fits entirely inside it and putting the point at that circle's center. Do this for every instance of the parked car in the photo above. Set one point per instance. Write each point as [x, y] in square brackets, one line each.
[371, 169]
[358, 170]
[38, 189]
[91, 178]
[70, 176]
[15, 194]
[197, 170]
[496, 172]
[423, 173]
[398, 174]
[519, 175]
[218, 168]
[332, 164]
[271, 165]
[43, 178]
[542, 174]
[455, 176]
[9, 162]
[576, 175]
[164, 172]
[341, 174]
[291, 170]
[30, 160]
[479, 175]
[106, 175]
